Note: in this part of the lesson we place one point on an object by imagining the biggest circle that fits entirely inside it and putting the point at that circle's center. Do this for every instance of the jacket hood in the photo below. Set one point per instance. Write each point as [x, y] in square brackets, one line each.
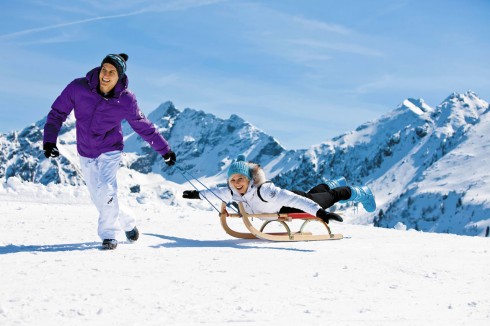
[258, 174]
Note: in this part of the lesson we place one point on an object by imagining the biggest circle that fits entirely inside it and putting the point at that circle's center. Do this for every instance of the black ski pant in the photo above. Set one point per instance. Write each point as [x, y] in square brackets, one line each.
[322, 195]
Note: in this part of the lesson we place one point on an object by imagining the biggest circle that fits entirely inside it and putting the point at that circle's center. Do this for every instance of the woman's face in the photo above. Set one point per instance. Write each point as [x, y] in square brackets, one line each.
[240, 183]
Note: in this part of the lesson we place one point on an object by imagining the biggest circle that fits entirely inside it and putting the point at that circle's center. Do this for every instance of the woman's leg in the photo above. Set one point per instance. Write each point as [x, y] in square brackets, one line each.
[325, 199]
[330, 184]
[319, 188]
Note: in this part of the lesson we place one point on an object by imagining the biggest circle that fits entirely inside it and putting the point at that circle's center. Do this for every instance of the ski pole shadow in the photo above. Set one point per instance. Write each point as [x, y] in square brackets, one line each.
[176, 242]
[14, 249]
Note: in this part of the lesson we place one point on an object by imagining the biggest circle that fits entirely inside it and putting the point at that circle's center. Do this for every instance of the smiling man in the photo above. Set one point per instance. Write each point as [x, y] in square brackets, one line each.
[101, 101]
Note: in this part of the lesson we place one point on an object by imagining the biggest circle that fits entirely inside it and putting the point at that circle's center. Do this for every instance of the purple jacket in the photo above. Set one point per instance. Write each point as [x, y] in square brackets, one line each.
[98, 120]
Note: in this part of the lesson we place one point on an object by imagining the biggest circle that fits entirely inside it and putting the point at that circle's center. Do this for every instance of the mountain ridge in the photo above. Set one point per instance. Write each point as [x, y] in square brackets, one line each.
[394, 155]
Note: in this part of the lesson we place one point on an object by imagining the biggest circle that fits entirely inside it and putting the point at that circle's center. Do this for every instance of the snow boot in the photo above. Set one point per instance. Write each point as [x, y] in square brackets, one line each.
[133, 235]
[109, 244]
[337, 182]
[363, 195]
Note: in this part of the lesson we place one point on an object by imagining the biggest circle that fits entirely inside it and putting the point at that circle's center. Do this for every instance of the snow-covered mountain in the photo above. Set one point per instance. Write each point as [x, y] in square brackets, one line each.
[449, 190]
[205, 144]
[21, 155]
[425, 165]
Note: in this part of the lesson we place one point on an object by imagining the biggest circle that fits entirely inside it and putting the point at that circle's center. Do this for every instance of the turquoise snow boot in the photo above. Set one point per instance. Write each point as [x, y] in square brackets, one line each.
[337, 182]
[363, 195]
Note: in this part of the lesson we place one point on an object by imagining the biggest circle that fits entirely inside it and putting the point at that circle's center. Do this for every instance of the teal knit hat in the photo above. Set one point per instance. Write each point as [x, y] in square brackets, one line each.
[241, 167]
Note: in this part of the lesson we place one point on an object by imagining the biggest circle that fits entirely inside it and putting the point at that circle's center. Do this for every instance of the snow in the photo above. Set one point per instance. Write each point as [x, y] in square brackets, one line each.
[186, 270]
[468, 160]
[414, 108]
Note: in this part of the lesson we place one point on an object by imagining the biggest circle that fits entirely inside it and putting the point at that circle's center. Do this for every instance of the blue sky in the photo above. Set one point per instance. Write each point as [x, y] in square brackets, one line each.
[302, 71]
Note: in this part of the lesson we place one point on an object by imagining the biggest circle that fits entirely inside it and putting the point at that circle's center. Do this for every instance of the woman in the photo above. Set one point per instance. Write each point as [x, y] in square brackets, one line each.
[247, 184]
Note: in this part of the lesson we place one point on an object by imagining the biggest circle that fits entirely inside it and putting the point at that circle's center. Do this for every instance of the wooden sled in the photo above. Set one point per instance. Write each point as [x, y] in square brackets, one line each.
[275, 217]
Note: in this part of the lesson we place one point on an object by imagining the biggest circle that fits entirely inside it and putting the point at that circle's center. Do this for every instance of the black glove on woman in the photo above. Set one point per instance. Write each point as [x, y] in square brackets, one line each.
[191, 194]
[327, 216]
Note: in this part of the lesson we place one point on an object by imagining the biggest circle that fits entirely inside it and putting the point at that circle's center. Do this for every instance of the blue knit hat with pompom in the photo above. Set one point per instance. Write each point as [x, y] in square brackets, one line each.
[239, 166]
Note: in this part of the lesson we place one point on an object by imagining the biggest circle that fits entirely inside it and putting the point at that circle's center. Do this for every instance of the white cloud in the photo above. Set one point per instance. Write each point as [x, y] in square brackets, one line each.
[336, 46]
[153, 7]
[321, 26]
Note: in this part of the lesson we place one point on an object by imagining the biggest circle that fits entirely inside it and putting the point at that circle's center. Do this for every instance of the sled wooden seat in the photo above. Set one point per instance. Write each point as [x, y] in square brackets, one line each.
[282, 218]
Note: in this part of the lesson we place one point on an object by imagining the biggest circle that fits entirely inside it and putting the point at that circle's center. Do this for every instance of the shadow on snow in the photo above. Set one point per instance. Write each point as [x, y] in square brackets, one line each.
[174, 242]
[177, 242]
[13, 249]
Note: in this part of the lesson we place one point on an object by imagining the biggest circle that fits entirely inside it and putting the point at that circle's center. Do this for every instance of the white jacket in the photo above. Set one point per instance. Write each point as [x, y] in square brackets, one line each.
[273, 197]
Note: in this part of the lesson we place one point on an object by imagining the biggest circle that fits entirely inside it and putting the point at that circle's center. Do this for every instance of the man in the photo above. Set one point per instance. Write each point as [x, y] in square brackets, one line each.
[101, 100]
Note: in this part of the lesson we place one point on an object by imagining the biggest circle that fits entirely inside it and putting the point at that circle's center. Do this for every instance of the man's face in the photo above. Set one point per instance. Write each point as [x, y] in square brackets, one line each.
[108, 77]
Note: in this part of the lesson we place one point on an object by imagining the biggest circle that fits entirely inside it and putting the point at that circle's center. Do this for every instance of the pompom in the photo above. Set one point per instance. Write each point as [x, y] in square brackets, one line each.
[124, 56]
[240, 157]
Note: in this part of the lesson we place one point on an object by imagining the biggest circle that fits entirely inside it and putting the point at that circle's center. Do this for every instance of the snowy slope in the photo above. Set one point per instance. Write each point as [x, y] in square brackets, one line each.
[185, 270]
[461, 180]
[450, 194]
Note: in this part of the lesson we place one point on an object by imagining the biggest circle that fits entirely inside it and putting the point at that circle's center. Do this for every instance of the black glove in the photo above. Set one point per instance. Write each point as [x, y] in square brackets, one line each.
[191, 194]
[327, 216]
[170, 158]
[50, 150]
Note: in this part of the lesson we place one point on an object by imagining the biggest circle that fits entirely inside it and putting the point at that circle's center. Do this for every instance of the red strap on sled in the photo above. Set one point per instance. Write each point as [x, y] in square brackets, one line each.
[301, 215]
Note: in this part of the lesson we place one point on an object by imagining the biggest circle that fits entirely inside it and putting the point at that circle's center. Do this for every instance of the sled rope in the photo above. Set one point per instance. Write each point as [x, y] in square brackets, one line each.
[202, 184]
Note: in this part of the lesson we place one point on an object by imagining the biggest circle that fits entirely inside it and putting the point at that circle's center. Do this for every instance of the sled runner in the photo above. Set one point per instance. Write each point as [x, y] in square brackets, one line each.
[275, 217]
